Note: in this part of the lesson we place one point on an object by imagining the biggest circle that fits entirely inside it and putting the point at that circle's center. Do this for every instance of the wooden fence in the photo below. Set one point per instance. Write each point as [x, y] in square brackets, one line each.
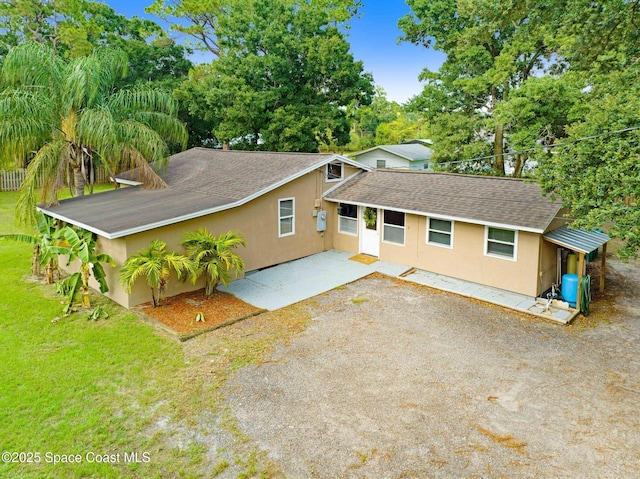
[11, 180]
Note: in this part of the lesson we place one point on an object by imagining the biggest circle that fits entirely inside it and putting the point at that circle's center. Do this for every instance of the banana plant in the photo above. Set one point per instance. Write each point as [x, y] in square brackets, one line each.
[46, 247]
[81, 245]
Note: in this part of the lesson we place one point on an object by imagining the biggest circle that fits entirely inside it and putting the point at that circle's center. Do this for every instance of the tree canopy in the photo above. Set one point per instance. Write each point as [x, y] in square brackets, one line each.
[555, 82]
[283, 78]
[65, 118]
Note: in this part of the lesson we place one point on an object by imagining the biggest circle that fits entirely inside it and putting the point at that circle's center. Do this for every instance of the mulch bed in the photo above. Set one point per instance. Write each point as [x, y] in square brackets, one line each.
[179, 312]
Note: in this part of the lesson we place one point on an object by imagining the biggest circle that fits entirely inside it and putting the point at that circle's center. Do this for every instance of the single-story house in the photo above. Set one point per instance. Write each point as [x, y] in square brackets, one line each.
[500, 232]
[274, 199]
[488, 230]
[414, 156]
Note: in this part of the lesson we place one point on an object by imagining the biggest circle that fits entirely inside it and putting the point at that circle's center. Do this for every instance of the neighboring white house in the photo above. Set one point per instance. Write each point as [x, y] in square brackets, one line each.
[408, 156]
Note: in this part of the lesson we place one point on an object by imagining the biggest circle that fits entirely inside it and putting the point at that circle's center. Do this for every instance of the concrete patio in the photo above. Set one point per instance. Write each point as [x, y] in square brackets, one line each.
[288, 283]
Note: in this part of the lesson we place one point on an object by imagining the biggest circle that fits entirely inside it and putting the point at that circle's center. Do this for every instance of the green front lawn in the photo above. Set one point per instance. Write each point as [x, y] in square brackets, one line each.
[116, 390]
[79, 387]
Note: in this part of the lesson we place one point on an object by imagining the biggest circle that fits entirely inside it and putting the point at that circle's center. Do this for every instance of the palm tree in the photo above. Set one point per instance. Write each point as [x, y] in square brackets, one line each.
[64, 119]
[81, 245]
[155, 264]
[213, 256]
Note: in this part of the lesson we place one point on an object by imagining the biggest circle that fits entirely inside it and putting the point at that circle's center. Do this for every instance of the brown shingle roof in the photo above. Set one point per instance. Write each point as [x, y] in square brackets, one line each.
[475, 199]
[200, 181]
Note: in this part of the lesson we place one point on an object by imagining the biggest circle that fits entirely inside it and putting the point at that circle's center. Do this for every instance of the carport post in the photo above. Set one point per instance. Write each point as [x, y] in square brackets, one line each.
[580, 272]
[602, 265]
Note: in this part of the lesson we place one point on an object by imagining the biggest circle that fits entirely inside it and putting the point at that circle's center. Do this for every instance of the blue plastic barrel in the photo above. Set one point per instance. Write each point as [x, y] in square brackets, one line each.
[570, 288]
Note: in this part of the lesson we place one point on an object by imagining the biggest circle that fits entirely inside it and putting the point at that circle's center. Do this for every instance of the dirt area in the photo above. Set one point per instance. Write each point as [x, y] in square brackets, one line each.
[385, 379]
[391, 380]
[179, 312]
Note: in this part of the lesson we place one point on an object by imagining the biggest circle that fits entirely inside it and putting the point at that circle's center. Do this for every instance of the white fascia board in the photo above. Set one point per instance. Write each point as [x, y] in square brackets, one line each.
[209, 211]
[349, 161]
[122, 181]
[443, 217]
[97, 231]
[364, 151]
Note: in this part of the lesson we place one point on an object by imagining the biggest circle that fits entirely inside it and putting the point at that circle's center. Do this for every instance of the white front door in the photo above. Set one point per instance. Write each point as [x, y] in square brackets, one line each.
[369, 231]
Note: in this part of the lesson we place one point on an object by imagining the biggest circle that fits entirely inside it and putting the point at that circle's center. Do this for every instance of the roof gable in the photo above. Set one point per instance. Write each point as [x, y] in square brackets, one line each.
[485, 200]
[410, 152]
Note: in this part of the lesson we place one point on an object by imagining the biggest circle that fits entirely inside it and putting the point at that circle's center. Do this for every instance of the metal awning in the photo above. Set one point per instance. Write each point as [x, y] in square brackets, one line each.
[578, 240]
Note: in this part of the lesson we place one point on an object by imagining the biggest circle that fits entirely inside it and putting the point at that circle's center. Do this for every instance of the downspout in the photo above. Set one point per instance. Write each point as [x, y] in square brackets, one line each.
[539, 286]
[319, 195]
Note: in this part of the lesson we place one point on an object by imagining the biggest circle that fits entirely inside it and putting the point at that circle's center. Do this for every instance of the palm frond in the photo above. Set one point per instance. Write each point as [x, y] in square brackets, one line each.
[96, 128]
[213, 256]
[168, 127]
[126, 102]
[26, 121]
[114, 65]
[91, 79]
[81, 83]
[148, 143]
[34, 65]
[46, 162]
[131, 160]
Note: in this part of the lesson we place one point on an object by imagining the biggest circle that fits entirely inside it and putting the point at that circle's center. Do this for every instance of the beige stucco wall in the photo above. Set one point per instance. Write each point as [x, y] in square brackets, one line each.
[258, 222]
[340, 241]
[467, 259]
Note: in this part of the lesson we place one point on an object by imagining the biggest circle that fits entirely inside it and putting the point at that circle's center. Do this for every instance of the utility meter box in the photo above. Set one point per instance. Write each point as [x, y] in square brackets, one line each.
[322, 221]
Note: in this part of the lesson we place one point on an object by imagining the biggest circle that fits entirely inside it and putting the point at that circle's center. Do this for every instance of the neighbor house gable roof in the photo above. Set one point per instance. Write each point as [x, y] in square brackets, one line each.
[200, 181]
[410, 152]
[502, 202]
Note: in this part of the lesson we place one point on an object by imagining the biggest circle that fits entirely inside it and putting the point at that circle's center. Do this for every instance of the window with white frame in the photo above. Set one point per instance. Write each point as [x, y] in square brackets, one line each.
[440, 232]
[501, 242]
[348, 219]
[393, 227]
[286, 217]
[334, 171]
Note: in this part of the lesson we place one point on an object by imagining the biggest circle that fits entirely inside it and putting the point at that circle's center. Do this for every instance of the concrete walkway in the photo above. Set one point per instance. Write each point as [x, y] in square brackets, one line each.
[500, 297]
[287, 283]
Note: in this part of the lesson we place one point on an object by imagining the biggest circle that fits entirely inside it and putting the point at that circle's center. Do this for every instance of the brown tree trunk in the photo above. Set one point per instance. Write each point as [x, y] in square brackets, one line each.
[518, 166]
[498, 149]
[49, 271]
[35, 266]
[78, 181]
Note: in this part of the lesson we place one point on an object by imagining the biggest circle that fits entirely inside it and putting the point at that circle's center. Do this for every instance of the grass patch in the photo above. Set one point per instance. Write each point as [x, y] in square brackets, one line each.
[117, 385]
[77, 386]
[359, 300]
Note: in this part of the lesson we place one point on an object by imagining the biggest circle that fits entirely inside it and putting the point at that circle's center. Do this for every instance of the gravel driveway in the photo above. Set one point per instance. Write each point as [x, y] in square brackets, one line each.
[393, 380]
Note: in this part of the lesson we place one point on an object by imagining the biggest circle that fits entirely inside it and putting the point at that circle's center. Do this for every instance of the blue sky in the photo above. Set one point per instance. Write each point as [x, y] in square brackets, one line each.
[374, 40]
